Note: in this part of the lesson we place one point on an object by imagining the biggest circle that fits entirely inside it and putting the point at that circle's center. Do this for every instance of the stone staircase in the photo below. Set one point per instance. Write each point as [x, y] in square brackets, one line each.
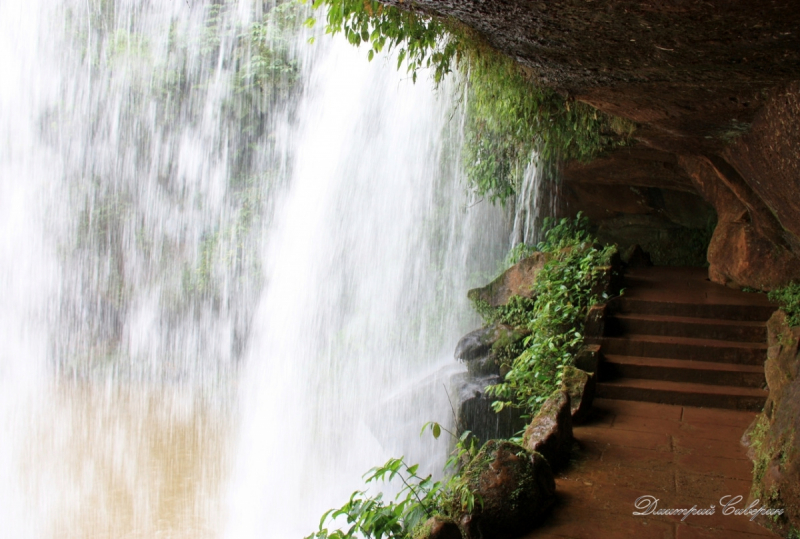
[674, 337]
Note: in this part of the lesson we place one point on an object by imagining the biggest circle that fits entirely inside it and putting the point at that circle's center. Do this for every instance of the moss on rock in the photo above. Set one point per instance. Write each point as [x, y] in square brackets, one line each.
[515, 489]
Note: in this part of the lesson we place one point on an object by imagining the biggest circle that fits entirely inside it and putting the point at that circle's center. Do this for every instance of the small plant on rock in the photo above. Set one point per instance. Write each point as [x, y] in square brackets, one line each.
[788, 297]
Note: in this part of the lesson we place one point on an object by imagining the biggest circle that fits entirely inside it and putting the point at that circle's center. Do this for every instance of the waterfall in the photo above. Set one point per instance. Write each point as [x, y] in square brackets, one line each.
[537, 198]
[233, 268]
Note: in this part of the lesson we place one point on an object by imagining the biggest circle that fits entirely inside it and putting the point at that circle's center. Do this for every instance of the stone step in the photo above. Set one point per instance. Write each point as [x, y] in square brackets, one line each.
[722, 311]
[685, 326]
[686, 348]
[684, 394]
[683, 370]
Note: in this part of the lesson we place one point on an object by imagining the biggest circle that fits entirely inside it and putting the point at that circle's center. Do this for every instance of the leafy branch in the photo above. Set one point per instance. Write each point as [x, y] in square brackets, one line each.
[421, 41]
[419, 499]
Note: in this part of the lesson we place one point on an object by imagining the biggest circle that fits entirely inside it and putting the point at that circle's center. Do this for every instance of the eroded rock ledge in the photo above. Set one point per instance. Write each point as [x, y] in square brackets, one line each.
[712, 86]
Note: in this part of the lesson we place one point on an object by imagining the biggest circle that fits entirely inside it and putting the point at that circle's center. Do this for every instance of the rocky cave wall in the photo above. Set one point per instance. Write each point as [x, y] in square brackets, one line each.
[712, 88]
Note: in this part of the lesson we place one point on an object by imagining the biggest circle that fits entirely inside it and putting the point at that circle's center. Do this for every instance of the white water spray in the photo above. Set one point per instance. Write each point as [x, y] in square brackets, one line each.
[232, 267]
[538, 198]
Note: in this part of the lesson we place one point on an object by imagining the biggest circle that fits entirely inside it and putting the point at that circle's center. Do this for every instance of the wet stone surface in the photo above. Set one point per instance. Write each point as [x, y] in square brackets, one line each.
[680, 456]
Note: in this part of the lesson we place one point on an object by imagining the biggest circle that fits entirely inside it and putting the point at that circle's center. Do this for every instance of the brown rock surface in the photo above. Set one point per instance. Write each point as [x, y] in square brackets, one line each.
[706, 81]
[515, 281]
[580, 386]
[773, 438]
[767, 157]
[739, 256]
[438, 528]
[748, 246]
[550, 431]
[517, 490]
[588, 358]
[783, 358]
[692, 73]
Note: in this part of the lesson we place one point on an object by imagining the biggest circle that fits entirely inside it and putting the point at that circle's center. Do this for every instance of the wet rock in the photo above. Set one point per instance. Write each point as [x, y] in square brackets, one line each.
[475, 344]
[580, 386]
[550, 431]
[517, 489]
[483, 366]
[475, 411]
[484, 350]
[517, 280]
[438, 527]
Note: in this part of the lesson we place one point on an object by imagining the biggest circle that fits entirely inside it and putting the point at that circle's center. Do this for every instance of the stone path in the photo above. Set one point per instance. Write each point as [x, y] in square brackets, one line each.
[682, 456]
[674, 337]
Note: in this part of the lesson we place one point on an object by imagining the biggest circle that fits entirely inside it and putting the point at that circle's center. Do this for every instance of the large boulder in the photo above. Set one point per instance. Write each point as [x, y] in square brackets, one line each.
[740, 256]
[550, 431]
[517, 280]
[748, 247]
[517, 489]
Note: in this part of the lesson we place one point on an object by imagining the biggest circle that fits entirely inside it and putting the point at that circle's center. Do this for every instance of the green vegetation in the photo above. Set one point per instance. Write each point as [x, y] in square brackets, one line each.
[517, 253]
[788, 298]
[422, 42]
[570, 282]
[510, 121]
[757, 441]
[370, 516]
[766, 451]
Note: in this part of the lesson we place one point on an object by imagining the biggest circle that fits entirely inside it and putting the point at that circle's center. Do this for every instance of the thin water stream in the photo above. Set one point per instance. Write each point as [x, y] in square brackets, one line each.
[233, 268]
